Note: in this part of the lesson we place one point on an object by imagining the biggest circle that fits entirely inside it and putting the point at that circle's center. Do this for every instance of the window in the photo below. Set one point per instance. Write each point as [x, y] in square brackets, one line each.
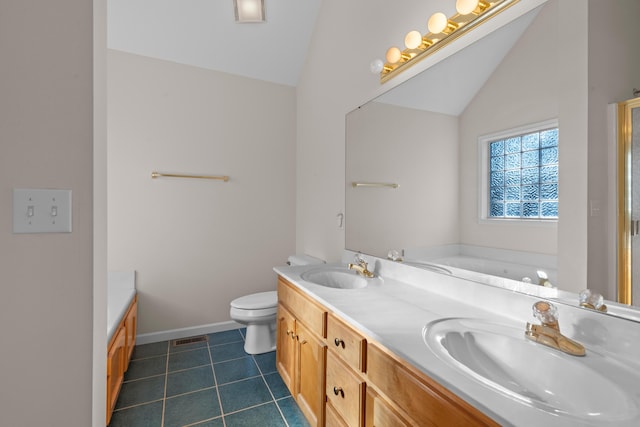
[521, 173]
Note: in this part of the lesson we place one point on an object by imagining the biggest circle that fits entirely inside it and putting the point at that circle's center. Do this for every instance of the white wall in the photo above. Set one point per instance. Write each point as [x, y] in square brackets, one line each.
[46, 134]
[197, 244]
[521, 91]
[423, 210]
[614, 70]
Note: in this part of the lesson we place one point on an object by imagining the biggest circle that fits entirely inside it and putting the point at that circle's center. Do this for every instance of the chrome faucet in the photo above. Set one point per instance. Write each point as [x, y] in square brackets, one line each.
[360, 266]
[548, 332]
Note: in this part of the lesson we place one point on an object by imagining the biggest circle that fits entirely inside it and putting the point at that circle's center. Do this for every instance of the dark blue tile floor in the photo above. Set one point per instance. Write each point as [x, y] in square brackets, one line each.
[206, 384]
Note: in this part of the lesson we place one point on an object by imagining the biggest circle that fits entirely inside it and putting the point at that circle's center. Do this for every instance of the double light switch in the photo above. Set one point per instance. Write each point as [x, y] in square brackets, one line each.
[41, 211]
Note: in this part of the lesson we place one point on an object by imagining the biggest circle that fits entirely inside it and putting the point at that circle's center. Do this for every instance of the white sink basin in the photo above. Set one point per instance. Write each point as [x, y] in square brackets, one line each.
[338, 277]
[595, 387]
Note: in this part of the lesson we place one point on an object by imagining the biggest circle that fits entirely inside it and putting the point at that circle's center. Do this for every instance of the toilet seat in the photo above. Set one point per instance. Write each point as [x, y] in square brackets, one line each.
[258, 301]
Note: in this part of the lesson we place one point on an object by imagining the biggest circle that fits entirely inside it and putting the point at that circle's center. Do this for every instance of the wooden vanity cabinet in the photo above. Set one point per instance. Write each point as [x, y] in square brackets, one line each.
[411, 395]
[301, 351]
[131, 326]
[339, 378]
[116, 357]
[119, 353]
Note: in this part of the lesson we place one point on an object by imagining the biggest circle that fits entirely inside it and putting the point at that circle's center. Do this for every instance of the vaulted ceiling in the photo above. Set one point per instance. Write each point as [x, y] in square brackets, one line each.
[204, 33]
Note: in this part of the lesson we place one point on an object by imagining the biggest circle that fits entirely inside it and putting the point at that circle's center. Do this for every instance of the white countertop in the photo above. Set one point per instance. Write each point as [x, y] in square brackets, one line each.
[396, 312]
[121, 288]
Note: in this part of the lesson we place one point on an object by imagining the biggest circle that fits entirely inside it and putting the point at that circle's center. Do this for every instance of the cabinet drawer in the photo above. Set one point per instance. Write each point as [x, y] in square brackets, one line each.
[345, 391]
[332, 419]
[419, 396]
[313, 315]
[346, 342]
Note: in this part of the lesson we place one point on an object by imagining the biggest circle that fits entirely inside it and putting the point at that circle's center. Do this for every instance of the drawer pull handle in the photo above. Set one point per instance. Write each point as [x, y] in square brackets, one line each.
[338, 342]
[303, 340]
[338, 391]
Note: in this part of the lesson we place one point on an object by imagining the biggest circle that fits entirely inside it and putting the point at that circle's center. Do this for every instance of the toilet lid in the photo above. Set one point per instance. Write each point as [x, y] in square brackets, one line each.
[256, 301]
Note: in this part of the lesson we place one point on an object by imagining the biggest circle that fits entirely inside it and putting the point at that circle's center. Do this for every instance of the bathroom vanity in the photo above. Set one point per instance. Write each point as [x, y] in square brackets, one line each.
[319, 354]
[367, 356]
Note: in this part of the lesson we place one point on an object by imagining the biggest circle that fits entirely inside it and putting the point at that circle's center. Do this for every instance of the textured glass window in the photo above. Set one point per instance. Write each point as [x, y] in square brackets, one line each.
[523, 180]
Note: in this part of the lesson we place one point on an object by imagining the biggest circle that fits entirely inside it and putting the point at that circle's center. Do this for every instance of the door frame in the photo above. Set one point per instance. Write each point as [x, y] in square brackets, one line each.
[625, 144]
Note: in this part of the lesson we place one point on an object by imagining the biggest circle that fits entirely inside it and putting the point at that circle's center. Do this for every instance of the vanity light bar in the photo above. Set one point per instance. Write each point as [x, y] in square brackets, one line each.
[443, 31]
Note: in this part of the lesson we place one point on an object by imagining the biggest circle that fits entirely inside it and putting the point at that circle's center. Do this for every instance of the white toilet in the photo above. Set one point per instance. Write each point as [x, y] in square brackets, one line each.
[258, 312]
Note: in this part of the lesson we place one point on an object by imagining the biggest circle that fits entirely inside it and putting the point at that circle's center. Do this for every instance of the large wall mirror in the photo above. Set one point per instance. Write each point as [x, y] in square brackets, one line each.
[414, 163]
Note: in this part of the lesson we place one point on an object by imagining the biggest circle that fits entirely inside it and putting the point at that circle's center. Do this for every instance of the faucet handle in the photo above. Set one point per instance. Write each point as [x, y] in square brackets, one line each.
[358, 259]
[546, 313]
[592, 300]
[394, 255]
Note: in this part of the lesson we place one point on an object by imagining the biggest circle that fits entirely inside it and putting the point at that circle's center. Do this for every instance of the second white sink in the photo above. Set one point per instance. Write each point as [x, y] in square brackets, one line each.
[594, 387]
[338, 277]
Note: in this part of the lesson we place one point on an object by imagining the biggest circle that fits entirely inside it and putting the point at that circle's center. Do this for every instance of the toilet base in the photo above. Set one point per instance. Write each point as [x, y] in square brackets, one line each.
[260, 338]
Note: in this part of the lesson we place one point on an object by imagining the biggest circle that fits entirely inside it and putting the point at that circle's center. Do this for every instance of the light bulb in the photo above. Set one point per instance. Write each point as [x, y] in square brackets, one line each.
[376, 66]
[413, 39]
[437, 23]
[393, 55]
[465, 7]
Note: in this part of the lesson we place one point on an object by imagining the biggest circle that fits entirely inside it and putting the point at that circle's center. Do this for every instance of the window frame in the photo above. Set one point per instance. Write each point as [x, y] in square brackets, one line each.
[483, 172]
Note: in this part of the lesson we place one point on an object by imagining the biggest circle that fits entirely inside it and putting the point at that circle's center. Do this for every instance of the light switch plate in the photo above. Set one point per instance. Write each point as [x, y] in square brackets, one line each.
[41, 211]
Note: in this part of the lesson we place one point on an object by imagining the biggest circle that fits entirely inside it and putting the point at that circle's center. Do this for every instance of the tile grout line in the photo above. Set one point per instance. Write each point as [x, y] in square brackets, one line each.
[264, 380]
[136, 405]
[250, 407]
[166, 375]
[215, 383]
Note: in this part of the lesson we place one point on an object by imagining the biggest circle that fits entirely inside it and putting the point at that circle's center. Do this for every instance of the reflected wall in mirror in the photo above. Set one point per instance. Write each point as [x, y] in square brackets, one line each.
[423, 135]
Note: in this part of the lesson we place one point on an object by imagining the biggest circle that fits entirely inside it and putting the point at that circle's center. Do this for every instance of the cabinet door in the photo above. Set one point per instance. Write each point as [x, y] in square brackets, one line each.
[380, 414]
[131, 323]
[310, 374]
[285, 349]
[115, 369]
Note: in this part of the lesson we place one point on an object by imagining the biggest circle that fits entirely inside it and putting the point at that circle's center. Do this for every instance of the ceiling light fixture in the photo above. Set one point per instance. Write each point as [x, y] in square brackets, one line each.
[249, 11]
[442, 31]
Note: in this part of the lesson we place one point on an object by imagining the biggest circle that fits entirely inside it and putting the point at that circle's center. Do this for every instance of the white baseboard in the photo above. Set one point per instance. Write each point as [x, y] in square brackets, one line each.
[173, 334]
